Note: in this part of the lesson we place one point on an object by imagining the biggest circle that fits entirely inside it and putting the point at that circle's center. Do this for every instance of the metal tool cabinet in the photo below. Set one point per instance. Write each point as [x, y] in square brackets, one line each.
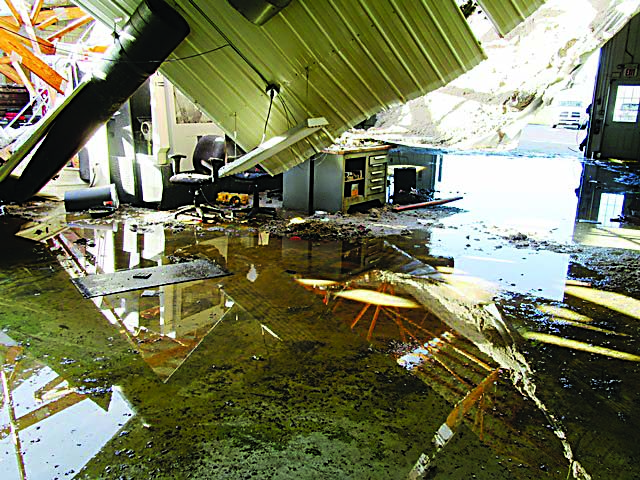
[349, 177]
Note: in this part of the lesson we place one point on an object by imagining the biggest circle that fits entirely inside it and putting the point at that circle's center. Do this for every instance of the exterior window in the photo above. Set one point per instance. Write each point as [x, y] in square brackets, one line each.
[627, 101]
[610, 207]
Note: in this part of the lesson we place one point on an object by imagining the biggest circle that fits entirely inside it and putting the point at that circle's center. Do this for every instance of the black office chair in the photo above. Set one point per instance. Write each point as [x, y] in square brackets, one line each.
[255, 177]
[208, 157]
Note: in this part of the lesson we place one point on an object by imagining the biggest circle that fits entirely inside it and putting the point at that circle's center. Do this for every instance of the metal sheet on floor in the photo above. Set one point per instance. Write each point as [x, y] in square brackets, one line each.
[141, 278]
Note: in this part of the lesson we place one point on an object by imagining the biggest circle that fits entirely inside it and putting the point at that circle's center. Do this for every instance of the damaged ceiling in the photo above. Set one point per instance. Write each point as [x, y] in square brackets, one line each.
[507, 14]
[338, 59]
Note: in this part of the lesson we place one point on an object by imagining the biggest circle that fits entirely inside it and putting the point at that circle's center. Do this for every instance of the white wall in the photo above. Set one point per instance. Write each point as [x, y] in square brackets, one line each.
[167, 132]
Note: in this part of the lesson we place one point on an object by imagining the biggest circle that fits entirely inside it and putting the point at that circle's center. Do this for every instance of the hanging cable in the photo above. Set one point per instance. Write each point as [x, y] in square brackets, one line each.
[286, 112]
[235, 135]
[272, 90]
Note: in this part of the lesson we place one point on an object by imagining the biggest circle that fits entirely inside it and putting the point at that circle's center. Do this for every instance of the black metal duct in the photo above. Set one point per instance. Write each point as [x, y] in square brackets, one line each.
[151, 34]
[259, 11]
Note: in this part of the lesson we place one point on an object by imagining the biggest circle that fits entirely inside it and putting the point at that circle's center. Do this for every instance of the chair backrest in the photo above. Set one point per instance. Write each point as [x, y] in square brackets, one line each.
[210, 148]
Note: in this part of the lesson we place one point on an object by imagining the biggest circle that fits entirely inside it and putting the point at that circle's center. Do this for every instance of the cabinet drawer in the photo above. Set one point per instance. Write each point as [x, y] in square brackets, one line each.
[375, 189]
[378, 160]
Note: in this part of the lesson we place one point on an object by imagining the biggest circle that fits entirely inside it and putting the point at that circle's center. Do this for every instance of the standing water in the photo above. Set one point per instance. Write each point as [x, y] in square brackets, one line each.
[478, 346]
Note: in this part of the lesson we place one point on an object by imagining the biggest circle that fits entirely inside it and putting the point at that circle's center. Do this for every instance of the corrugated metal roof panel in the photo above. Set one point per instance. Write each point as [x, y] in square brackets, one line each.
[343, 60]
[507, 14]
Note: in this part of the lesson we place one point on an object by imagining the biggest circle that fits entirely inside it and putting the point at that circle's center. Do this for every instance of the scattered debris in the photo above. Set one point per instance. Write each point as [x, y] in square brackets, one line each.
[318, 230]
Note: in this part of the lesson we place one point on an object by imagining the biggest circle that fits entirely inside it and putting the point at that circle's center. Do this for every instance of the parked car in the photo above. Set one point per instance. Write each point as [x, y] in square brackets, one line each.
[569, 113]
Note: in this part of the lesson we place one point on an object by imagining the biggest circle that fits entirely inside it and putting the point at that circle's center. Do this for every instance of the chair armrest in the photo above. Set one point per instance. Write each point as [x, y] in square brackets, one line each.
[177, 158]
[213, 165]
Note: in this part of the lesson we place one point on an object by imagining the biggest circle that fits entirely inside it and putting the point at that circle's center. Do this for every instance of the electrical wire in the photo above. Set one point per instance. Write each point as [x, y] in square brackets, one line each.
[286, 112]
[272, 93]
[235, 49]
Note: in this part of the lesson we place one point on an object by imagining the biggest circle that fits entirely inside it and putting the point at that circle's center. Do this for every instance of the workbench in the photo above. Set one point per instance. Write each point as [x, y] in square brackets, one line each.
[336, 180]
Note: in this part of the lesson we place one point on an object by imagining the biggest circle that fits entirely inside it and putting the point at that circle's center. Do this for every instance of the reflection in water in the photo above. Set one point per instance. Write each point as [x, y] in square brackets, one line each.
[564, 313]
[378, 298]
[576, 345]
[606, 200]
[453, 329]
[456, 342]
[615, 301]
[49, 429]
[165, 324]
[484, 327]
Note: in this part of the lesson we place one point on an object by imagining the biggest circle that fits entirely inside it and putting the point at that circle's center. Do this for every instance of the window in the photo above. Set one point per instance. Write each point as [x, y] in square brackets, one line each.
[610, 207]
[627, 102]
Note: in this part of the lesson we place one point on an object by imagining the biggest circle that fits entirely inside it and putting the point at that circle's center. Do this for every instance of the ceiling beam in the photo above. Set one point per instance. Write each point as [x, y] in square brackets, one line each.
[59, 14]
[26, 81]
[70, 28]
[35, 10]
[28, 59]
[45, 46]
[28, 25]
[10, 73]
[14, 12]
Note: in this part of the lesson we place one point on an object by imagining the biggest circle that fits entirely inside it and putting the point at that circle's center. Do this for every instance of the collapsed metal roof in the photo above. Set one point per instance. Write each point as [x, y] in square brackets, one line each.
[507, 14]
[343, 60]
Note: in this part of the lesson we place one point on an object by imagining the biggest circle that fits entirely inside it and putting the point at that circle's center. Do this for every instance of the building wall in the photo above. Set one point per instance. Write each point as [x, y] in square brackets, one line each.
[177, 123]
[619, 61]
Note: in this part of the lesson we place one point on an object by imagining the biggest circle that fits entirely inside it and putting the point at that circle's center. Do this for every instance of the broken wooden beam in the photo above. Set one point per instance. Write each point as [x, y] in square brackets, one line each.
[70, 28]
[432, 203]
[21, 54]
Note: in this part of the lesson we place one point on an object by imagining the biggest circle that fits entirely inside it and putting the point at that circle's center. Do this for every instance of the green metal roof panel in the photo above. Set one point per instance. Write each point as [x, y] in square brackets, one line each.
[344, 60]
[508, 14]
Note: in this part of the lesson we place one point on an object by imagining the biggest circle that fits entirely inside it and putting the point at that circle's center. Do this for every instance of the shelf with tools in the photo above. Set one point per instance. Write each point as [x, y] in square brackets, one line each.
[360, 174]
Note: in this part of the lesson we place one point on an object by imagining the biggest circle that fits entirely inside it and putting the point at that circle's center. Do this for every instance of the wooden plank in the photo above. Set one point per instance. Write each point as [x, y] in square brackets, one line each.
[7, 23]
[25, 57]
[51, 16]
[432, 203]
[35, 10]
[49, 410]
[14, 12]
[97, 49]
[46, 47]
[10, 73]
[70, 28]
[26, 81]
[28, 26]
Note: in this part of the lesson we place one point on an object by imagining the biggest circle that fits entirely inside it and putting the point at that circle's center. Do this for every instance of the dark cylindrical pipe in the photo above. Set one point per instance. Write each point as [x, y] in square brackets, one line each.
[151, 34]
[94, 197]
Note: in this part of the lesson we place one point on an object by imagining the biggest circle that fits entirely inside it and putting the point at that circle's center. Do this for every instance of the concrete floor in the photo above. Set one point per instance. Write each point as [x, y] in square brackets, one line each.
[342, 356]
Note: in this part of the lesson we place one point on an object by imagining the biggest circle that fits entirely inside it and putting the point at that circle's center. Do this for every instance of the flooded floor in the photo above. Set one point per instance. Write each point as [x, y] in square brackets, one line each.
[496, 340]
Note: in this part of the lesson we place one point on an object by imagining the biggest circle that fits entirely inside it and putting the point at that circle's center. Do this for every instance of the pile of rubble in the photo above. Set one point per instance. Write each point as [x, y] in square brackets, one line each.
[317, 230]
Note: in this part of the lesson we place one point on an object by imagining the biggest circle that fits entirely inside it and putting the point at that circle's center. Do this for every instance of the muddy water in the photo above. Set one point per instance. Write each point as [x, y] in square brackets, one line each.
[402, 357]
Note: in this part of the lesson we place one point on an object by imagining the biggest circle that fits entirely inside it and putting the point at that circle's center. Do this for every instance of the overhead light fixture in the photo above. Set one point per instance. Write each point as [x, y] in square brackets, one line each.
[273, 146]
